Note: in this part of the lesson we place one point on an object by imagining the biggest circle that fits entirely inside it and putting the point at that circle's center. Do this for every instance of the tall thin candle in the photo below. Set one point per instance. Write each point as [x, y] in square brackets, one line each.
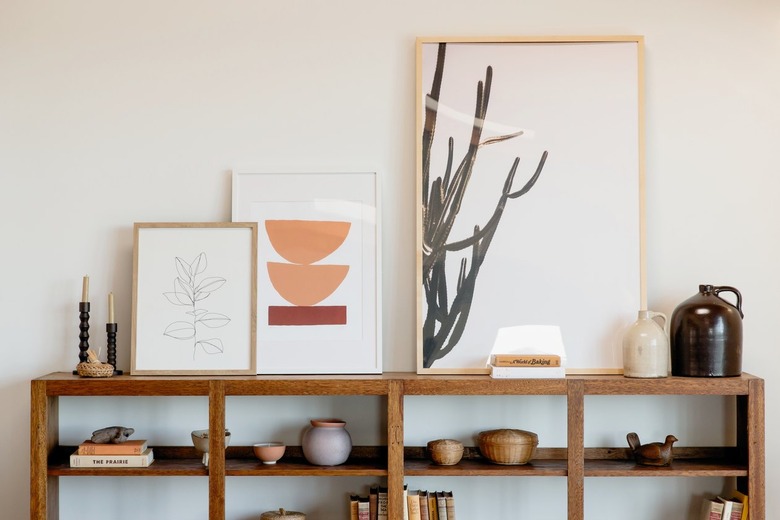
[111, 308]
[85, 289]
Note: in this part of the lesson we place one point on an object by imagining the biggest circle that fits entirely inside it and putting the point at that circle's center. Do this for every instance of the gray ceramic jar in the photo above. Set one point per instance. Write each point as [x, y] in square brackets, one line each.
[327, 442]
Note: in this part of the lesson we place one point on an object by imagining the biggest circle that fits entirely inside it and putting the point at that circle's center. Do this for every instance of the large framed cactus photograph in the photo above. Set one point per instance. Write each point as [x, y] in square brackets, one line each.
[194, 298]
[530, 186]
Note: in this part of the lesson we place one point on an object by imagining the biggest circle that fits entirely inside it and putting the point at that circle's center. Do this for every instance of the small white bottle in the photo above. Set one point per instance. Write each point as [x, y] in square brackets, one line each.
[646, 347]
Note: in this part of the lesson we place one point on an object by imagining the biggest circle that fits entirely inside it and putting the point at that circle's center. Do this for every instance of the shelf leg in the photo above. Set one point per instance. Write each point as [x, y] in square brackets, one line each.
[216, 458]
[395, 449]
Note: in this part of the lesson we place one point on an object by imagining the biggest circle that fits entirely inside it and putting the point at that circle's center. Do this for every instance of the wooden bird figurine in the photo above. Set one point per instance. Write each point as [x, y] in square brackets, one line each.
[653, 453]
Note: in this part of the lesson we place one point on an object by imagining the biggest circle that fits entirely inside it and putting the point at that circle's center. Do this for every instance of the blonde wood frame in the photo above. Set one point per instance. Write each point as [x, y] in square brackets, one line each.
[252, 227]
[639, 40]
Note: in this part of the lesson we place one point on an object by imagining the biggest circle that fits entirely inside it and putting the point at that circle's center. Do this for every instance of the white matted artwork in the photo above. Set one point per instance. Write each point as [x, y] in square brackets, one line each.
[194, 298]
[318, 270]
[529, 196]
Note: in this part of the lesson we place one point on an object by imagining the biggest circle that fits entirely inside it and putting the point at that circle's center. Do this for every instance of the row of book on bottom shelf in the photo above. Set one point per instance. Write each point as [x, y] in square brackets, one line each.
[128, 454]
[720, 508]
[418, 505]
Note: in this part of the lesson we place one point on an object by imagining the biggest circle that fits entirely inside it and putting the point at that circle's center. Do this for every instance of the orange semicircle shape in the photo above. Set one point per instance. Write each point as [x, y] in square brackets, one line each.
[306, 241]
[306, 285]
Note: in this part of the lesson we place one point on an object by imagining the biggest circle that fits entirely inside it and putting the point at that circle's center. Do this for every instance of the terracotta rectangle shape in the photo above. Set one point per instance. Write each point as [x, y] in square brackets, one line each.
[316, 315]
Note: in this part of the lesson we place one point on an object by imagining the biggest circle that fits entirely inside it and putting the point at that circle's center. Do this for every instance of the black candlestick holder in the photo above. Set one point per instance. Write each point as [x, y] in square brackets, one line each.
[111, 329]
[83, 332]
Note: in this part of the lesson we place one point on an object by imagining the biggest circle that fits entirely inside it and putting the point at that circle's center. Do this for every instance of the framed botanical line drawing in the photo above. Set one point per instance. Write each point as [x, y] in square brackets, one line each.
[530, 186]
[318, 289]
[194, 298]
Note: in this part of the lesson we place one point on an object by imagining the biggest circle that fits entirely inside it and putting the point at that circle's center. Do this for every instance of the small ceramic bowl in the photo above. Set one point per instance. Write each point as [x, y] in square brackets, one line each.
[200, 439]
[269, 452]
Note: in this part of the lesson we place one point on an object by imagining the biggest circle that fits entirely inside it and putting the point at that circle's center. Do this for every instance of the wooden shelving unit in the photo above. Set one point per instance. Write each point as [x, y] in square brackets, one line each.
[394, 461]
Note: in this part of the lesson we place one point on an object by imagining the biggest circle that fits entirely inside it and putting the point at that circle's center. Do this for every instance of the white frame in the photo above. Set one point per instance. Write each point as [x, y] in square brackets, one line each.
[176, 265]
[548, 87]
[352, 347]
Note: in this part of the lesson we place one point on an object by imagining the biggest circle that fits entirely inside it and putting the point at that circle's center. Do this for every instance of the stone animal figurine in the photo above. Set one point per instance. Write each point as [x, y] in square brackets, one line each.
[111, 435]
[653, 453]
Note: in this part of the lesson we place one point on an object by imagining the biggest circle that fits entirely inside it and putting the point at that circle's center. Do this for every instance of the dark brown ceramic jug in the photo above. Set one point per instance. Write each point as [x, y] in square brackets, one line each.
[706, 334]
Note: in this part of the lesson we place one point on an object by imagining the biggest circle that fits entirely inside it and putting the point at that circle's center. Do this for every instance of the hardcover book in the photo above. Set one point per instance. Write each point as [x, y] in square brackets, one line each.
[134, 447]
[413, 505]
[525, 360]
[711, 509]
[112, 461]
[382, 503]
[527, 372]
[363, 510]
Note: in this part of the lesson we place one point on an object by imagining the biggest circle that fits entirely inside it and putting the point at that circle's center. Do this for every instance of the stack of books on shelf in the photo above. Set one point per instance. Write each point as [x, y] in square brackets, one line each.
[528, 352]
[720, 508]
[128, 454]
[418, 505]
[369, 507]
[430, 505]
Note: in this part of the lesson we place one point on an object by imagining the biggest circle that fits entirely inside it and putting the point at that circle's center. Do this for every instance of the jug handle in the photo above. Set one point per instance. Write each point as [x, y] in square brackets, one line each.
[653, 315]
[726, 288]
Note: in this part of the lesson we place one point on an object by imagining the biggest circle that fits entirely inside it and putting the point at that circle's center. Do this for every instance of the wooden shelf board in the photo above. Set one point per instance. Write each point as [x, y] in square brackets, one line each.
[160, 467]
[298, 467]
[678, 468]
[471, 467]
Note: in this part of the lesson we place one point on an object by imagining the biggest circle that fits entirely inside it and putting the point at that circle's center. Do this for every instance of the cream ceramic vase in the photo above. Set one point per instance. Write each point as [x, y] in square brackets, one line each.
[327, 442]
[646, 347]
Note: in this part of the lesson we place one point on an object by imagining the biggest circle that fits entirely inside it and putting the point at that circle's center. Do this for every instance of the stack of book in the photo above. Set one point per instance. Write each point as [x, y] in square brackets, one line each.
[430, 505]
[369, 507]
[528, 352]
[418, 505]
[128, 454]
[720, 508]
[529, 366]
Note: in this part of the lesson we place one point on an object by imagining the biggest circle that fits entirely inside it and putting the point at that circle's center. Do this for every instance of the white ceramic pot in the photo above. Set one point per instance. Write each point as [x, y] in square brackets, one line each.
[327, 442]
[646, 347]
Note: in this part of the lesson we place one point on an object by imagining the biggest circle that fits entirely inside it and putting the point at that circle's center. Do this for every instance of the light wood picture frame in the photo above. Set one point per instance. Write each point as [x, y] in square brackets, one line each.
[530, 195]
[319, 265]
[194, 298]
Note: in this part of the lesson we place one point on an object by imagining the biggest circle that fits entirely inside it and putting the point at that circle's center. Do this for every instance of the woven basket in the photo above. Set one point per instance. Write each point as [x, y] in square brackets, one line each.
[445, 452]
[95, 369]
[507, 446]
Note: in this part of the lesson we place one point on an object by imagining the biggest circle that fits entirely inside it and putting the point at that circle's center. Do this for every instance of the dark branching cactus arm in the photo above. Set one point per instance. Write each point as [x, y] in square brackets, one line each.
[441, 201]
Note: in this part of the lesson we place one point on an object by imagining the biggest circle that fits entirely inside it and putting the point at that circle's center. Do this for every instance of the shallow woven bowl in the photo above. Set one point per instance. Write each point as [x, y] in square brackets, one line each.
[445, 452]
[95, 369]
[507, 446]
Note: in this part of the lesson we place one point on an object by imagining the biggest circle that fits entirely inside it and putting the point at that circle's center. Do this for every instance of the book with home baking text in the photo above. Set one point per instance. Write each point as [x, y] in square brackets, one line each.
[134, 447]
[525, 360]
[112, 461]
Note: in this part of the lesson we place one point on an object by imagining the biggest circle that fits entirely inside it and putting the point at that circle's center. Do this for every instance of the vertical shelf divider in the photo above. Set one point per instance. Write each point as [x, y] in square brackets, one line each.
[395, 448]
[216, 449]
[575, 452]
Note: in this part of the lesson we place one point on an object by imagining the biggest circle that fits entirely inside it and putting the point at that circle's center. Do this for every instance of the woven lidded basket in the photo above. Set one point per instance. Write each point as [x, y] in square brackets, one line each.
[445, 452]
[95, 369]
[507, 446]
[282, 514]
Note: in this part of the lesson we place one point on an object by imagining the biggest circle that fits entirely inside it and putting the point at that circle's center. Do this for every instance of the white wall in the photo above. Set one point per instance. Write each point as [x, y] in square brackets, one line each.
[116, 112]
